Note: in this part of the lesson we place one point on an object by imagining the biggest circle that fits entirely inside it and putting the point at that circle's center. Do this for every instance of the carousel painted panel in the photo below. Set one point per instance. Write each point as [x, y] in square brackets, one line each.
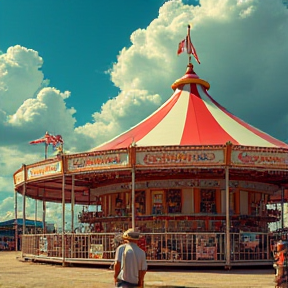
[96, 251]
[252, 186]
[96, 162]
[157, 184]
[44, 170]
[174, 158]
[206, 247]
[271, 159]
[19, 177]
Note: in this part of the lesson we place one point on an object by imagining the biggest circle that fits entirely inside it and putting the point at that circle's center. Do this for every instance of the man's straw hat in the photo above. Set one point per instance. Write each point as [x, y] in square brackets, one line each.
[131, 234]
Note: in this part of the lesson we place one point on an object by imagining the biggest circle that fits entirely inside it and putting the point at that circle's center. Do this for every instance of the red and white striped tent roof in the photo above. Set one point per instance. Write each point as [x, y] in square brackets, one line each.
[191, 117]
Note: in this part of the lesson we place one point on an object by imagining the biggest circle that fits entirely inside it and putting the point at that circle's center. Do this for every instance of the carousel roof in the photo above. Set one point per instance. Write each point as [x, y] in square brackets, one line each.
[191, 117]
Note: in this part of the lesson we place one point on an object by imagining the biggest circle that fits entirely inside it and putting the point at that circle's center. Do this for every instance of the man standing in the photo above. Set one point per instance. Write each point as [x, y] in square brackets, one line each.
[130, 262]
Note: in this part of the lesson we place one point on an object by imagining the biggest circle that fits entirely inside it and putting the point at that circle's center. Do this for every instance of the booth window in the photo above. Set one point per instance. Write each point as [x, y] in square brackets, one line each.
[173, 200]
[255, 203]
[158, 202]
[208, 201]
[140, 202]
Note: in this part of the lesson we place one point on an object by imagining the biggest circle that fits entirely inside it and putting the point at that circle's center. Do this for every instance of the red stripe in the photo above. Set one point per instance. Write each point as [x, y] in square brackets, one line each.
[256, 131]
[201, 128]
[141, 130]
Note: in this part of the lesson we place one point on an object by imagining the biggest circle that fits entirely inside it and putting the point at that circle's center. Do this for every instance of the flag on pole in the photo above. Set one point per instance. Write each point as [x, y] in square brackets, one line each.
[49, 139]
[190, 47]
[187, 45]
[181, 47]
[38, 141]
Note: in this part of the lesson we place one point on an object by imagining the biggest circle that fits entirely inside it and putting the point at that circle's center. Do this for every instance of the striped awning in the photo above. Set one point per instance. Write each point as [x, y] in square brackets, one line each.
[191, 117]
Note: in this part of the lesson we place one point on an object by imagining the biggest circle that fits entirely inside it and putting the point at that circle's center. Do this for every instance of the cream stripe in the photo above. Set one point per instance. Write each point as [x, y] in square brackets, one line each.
[241, 134]
[170, 130]
[151, 115]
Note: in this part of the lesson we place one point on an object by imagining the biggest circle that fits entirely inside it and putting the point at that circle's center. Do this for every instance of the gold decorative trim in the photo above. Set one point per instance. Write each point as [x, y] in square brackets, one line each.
[189, 81]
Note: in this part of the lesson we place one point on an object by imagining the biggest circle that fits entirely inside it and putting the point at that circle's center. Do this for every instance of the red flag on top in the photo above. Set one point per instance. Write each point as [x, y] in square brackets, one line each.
[181, 47]
[187, 45]
[49, 139]
[190, 47]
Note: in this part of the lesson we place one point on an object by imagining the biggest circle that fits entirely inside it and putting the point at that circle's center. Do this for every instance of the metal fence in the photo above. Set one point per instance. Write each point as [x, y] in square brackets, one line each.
[159, 247]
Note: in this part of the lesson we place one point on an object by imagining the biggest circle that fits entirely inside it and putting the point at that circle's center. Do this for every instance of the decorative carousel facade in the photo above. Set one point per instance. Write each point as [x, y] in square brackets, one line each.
[194, 178]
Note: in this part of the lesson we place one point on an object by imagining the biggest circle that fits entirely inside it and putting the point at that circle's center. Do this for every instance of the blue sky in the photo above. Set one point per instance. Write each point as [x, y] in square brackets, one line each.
[78, 40]
[89, 70]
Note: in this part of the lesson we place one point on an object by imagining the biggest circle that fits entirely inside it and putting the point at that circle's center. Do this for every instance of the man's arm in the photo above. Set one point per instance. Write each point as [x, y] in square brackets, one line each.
[141, 278]
[117, 268]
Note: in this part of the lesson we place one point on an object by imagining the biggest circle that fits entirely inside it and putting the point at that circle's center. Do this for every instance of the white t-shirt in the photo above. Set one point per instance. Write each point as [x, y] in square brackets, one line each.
[135, 260]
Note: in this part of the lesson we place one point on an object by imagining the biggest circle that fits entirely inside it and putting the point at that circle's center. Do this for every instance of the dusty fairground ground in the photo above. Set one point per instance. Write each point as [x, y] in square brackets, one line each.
[18, 274]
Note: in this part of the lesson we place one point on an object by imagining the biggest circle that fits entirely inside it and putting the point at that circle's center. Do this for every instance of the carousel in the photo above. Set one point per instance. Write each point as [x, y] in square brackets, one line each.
[192, 177]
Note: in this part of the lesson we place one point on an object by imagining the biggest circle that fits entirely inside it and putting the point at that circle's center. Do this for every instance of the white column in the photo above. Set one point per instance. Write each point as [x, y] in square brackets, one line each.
[133, 197]
[63, 219]
[24, 212]
[35, 222]
[16, 220]
[228, 244]
[72, 203]
[282, 207]
[44, 213]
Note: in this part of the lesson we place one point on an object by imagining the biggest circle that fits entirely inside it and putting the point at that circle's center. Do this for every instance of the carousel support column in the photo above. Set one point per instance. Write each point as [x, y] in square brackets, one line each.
[72, 203]
[132, 152]
[44, 203]
[228, 243]
[35, 228]
[24, 208]
[63, 219]
[72, 213]
[16, 220]
[282, 207]
[35, 221]
[133, 197]
[44, 214]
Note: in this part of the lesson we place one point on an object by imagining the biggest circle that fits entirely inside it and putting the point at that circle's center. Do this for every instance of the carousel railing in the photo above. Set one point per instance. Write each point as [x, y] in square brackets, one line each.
[159, 247]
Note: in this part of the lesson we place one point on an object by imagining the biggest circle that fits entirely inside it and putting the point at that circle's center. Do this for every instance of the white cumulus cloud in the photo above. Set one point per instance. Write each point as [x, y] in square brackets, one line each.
[20, 76]
[242, 46]
[28, 107]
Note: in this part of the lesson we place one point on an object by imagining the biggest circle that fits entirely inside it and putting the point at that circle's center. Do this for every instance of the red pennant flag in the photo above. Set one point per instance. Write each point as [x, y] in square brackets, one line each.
[187, 45]
[181, 47]
[190, 47]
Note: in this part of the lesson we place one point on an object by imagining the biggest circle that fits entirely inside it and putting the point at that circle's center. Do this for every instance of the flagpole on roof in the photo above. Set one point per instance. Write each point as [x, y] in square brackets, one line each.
[188, 38]
[47, 139]
[186, 45]
[190, 48]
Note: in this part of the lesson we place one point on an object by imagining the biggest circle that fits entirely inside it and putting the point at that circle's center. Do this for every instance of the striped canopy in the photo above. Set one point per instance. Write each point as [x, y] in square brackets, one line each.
[191, 117]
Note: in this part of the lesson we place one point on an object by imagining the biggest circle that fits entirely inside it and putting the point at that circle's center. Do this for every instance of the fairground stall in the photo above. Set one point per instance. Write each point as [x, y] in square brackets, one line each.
[194, 178]
[12, 229]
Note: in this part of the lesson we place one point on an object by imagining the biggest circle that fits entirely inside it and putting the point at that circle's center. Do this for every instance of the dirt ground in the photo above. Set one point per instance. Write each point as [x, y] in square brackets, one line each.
[18, 274]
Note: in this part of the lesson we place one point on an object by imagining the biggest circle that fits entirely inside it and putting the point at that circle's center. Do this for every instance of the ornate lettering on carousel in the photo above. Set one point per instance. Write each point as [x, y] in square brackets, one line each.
[260, 158]
[19, 177]
[87, 162]
[44, 170]
[180, 157]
